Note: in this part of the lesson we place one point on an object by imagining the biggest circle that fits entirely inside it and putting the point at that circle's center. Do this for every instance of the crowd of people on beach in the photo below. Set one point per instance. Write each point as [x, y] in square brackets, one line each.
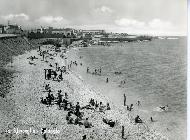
[75, 113]
[94, 72]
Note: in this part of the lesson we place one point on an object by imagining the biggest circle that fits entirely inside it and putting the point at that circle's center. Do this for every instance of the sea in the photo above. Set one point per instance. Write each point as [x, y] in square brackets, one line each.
[155, 73]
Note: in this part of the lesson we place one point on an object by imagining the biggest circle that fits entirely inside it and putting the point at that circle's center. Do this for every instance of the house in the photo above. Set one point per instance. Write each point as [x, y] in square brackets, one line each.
[87, 37]
[2, 29]
[14, 29]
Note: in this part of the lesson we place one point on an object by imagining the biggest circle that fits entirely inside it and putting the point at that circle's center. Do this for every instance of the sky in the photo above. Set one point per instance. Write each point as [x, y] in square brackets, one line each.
[148, 17]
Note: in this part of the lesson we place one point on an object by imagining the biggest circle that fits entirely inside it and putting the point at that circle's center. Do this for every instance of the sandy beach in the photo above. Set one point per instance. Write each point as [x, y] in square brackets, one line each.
[23, 115]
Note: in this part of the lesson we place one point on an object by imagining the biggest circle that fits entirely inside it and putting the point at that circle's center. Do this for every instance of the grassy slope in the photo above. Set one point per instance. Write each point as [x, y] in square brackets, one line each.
[10, 47]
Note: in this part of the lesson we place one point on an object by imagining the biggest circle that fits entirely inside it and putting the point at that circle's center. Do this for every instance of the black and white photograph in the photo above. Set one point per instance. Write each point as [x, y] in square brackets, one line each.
[93, 69]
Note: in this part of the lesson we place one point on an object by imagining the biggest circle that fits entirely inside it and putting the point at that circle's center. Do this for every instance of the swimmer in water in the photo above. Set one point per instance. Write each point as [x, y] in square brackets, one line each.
[151, 119]
[164, 108]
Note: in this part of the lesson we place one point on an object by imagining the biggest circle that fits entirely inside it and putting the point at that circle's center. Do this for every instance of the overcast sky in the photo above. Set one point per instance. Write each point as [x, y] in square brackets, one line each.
[157, 17]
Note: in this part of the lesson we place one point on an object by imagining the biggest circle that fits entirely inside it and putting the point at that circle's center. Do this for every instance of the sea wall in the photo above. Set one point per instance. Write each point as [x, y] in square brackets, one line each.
[141, 38]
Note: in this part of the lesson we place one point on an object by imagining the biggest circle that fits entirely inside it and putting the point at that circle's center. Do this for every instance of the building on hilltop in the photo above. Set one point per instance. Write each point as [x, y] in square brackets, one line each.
[14, 29]
[2, 29]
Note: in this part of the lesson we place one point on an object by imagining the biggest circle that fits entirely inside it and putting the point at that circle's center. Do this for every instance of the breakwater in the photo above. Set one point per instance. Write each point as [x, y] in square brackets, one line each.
[128, 39]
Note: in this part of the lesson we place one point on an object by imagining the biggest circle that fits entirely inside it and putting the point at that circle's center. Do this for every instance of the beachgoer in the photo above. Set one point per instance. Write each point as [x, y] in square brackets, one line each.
[124, 99]
[109, 122]
[47, 87]
[108, 106]
[69, 118]
[84, 137]
[42, 100]
[39, 49]
[44, 133]
[45, 101]
[78, 121]
[77, 109]
[60, 75]
[55, 75]
[138, 103]
[56, 64]
[49, 100]
[52, 97]
[65, 103]
[121, 82]
[59, 98]
[138, 119]
[87, 70]
[43, 55]
[131, 107]
[66, 95]
[87, 124]
[127, 107]
[92, 102]
[101, 107]
[49, 74]
[45, 74]
[151, 119]
[96, 105]
[106, 80]
[164, 108]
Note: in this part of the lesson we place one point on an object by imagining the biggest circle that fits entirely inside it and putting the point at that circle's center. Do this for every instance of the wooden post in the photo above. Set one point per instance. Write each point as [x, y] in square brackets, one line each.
[122, 132]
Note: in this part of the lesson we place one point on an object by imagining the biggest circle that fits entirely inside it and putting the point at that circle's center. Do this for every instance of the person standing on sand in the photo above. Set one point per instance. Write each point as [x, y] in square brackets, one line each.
[131, 107]
[107, 80]
[56, 64]
[87, 70]
[44, 133]
[108, 106]
[43, 55]
[77, 109]
[49, 74]
[87, 124]
[39, 48]
[66, 95]
[124, 99]
[151, 119]
[59, 96]
[138, 103]
[84, 137]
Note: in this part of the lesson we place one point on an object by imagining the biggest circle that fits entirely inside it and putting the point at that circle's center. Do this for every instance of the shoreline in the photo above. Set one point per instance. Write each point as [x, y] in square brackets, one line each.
[99, 84]
[30, 113]
[101, 87]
